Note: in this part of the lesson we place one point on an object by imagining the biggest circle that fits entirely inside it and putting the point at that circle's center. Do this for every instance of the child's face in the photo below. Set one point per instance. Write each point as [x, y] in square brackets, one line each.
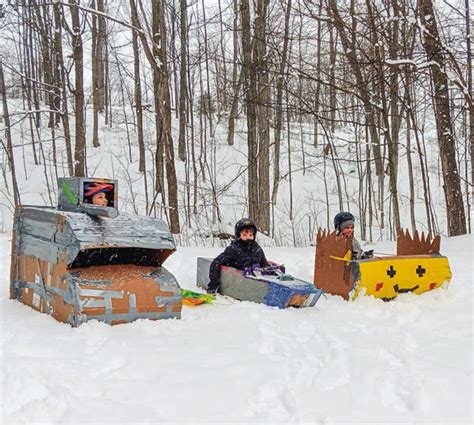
[348, 231]
[100, 199]
[246, 234]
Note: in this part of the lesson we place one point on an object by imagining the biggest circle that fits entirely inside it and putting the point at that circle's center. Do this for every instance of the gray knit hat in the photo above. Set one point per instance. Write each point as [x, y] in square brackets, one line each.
[345, 224]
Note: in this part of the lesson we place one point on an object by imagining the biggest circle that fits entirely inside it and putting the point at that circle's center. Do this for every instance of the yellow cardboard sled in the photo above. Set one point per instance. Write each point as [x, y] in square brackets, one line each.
[418, 267]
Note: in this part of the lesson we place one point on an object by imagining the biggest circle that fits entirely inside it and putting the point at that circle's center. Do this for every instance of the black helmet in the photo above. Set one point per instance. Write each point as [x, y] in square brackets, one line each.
[342, 220]
[244, 223]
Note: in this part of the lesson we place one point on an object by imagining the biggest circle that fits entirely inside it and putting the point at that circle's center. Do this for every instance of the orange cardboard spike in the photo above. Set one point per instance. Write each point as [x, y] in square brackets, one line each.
[406, 245]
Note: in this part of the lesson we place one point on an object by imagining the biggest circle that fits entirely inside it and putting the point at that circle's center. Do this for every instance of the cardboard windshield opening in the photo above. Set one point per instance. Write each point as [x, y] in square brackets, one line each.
[111, 256]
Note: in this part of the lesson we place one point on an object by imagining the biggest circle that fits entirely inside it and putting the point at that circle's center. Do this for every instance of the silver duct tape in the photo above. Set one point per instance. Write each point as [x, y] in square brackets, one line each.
[126, 230]
[108, 309]
[40, 290]
[168, 302]
[93, 303]
[132, 302]
[43, 250]
[100, 293]
[167, 288]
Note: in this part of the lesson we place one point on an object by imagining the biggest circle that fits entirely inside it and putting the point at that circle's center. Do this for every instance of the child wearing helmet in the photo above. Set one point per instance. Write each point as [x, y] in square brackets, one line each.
[344, 225]
[243, 252]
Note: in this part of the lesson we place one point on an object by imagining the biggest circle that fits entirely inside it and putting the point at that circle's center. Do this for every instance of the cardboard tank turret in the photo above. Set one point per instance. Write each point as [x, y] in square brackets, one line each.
[83, 261]
[418, 267]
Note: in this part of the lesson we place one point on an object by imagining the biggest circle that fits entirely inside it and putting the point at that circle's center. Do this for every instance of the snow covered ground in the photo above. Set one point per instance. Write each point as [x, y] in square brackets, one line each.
[407, 361]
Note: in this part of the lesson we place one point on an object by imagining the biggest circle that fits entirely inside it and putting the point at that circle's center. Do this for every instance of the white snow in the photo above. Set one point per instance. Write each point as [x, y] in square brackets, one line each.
[367, 361]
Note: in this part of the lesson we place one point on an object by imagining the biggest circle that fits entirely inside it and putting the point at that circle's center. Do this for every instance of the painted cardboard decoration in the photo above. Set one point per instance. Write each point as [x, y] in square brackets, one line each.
[418, 267]
[278, 290]
[77, 265]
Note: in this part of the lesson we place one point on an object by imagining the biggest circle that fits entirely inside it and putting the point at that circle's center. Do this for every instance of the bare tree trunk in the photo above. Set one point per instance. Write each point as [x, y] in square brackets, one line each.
[159, 67]
[471, 94]
[183, 83]
[424, 172]
[138, 102]
[34, 71]
[263, 94]
[208, 97]
[369, 189]
[160, 147]
[95, 111]
[394, 124]
[223, 59]
[290, 170]
[79, 153]
[318, 78]
[391, 127]
[65, 107]
[8, 137]
[279, 104]
[452, 184]
[29, 82]
[411, 179]
[46, 54]
[332, 78]
[192, 141]
[350, 52]
[173, 78]
[97, 52]
[250, 92]
[236, 81]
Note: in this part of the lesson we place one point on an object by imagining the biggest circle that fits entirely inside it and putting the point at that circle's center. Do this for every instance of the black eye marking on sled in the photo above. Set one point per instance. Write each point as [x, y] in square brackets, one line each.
[420, 271]
[391, 272]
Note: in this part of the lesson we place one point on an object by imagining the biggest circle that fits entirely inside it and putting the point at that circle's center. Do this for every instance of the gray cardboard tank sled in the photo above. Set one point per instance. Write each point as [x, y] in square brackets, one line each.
[79, 261]
[275, 290]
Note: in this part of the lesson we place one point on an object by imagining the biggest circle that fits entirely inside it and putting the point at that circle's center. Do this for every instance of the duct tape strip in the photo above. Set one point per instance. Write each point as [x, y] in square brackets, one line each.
[38, 288]
[93, 303]
[108, 308]
[132, 302]
[99, 293]
[43, 293]
[168, 302]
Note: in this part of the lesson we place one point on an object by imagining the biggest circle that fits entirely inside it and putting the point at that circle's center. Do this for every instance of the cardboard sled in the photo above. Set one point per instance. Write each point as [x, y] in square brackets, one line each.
[272, 290]
[77, 265]
[418, 267]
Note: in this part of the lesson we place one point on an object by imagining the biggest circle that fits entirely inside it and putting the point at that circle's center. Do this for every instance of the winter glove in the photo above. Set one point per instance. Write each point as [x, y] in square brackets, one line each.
[212, 291]
[367, 254]
[276, 266]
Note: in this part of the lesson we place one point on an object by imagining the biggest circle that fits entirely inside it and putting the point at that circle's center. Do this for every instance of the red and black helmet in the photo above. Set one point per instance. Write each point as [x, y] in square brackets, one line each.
[91, 189]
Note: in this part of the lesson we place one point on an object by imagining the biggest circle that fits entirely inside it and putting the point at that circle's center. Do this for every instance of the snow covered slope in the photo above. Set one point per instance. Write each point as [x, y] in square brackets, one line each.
[410, 360]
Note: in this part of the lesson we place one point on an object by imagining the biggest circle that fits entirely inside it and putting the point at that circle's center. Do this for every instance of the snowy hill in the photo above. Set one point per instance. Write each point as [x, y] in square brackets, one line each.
[407, 361]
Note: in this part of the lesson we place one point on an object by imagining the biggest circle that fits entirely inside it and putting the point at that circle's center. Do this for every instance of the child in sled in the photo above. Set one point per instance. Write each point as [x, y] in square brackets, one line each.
[344, 225]
[244, 253]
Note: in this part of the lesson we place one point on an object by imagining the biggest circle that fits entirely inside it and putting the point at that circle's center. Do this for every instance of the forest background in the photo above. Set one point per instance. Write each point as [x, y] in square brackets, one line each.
[207, 111]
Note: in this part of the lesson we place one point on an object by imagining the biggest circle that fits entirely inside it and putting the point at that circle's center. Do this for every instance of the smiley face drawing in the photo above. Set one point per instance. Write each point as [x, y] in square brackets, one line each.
[388, 277]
